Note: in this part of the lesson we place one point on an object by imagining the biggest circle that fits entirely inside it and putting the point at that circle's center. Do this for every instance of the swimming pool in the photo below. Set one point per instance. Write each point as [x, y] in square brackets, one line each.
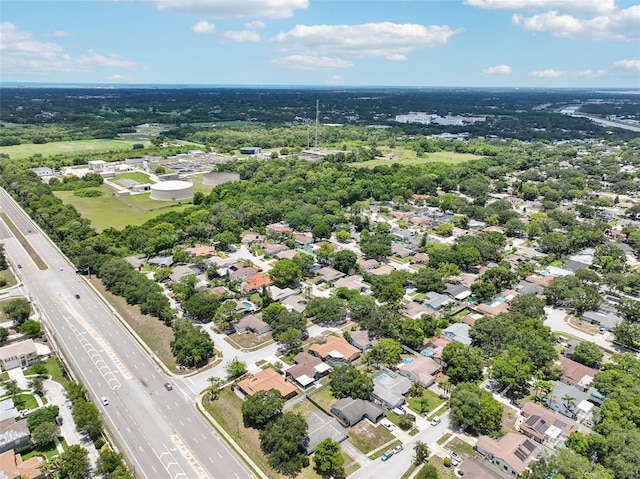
[426, 352]
[381, 377]
[247, 304]
[407, 360]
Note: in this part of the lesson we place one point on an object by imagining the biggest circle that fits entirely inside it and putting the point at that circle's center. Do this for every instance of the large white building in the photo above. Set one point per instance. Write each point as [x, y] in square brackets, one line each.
[173, 190]
[18, 355]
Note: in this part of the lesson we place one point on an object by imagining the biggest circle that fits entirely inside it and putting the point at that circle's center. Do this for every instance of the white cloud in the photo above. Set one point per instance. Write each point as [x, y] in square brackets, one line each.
[111, 60]
[203, 27]
[370, 39]
[396, 57]
[575, 6]
[305, 62]
[233, 8]
[21, 53]
[115, 77]
[61, 34]
[334, 80]
[592, 73]
[242, 36]
[547, 74]
[621, 25]
[627, 65]
[255, 25]
[497, 70]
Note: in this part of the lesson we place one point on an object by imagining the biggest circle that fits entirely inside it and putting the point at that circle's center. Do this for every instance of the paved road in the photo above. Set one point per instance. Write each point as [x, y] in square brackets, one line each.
[160, 431]
[555, 320]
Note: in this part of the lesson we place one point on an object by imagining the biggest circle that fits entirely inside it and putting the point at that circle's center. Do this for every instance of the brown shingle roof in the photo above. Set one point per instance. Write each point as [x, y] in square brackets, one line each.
[265, 381]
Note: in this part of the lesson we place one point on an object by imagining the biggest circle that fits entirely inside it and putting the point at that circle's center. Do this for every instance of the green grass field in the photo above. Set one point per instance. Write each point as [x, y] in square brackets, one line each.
[408, 157]
[110, 211]
[134, 175]
[18, 152]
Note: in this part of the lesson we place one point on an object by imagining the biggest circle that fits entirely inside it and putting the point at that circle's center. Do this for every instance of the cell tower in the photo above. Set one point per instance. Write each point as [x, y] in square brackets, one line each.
[317, 121]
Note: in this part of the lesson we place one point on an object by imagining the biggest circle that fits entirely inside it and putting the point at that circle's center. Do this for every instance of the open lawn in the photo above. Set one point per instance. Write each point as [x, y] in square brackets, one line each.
[151, 330]
[53, 368]
[227, 412]
[75, 148]
[324, 398]
[434, 402]
[8, 277]
[367, 437]
[108, 211]
[408, 157]
[133, 175]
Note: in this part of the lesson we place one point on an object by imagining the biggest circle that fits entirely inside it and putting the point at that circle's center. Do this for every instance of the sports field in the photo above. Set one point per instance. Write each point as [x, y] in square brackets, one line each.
[18, 152]
[108, 211]
[409, 157]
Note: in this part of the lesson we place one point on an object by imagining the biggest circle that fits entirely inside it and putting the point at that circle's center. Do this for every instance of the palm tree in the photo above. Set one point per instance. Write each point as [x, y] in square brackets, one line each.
[215, 384]
[569, 402]
[422, 453]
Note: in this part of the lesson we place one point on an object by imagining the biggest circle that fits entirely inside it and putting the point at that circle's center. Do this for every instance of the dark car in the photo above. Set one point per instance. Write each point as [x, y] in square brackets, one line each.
[19, 266]
[77, 296]
[168, 386]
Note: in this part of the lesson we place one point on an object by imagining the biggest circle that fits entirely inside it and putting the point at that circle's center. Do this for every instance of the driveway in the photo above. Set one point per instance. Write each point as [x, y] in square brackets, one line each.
[556, 321]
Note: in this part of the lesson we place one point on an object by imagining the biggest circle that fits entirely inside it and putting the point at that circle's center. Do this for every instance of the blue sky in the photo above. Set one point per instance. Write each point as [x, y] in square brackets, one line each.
[466, 43]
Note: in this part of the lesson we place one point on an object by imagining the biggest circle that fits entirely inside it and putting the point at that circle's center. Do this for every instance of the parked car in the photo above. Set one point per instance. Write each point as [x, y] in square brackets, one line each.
[435, 421]
[387, 425]
[455, 458]
[398, 448]
[387, 455]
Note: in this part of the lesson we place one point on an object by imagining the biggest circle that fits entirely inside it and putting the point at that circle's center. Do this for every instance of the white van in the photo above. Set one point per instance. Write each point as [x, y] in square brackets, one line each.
[435, 421]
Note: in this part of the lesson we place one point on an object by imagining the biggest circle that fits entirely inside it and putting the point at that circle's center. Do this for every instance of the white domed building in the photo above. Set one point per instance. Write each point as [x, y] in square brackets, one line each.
[173, 190]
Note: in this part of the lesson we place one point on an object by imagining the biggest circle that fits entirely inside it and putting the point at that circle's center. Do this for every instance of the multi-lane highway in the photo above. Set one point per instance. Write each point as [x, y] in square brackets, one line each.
[159, 430]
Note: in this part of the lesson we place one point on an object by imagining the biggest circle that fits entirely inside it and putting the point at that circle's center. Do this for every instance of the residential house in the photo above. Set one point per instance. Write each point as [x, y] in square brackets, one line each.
[513, 452]
[220, 291]
[458, 332]
[12, 466]
[200, 251]
[367, 265]
[383, 270]
[14, 434]
[251, 238]
[476, 225]
[351, 282]
[361, 340]
[8, 410]
[545, 426]
[352, 411]
[525, 287]
[543, 280]
[571, 402]
[267, 380]
[436, 347]
[400, 251]
[307, 370]
[279, 230]
[256, 282]
[272, 249]
[295, 303]
[329, 274]
[415, 310]
[303, 241]
[420, 369]
[183, 270]
[161, 261]
[278, 294]
[403, 236]
[286, 254]
[419, 258]
[435, 301]
[18, 355]
[321, 426]
[500, 303]
[253, 323]
[472, 467]
[389, 389]
[576, 374]
[604, 319]
[335, 350]
[459, 292]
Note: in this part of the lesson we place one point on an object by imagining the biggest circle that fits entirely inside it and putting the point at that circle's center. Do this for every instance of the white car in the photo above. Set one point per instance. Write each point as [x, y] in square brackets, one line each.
[387, 425]
[435, 421]
[105, 400]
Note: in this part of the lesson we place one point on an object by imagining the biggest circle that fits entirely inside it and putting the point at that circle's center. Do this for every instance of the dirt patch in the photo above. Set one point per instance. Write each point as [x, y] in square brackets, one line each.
[152, 331]
[583, 325]
[250, 340]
